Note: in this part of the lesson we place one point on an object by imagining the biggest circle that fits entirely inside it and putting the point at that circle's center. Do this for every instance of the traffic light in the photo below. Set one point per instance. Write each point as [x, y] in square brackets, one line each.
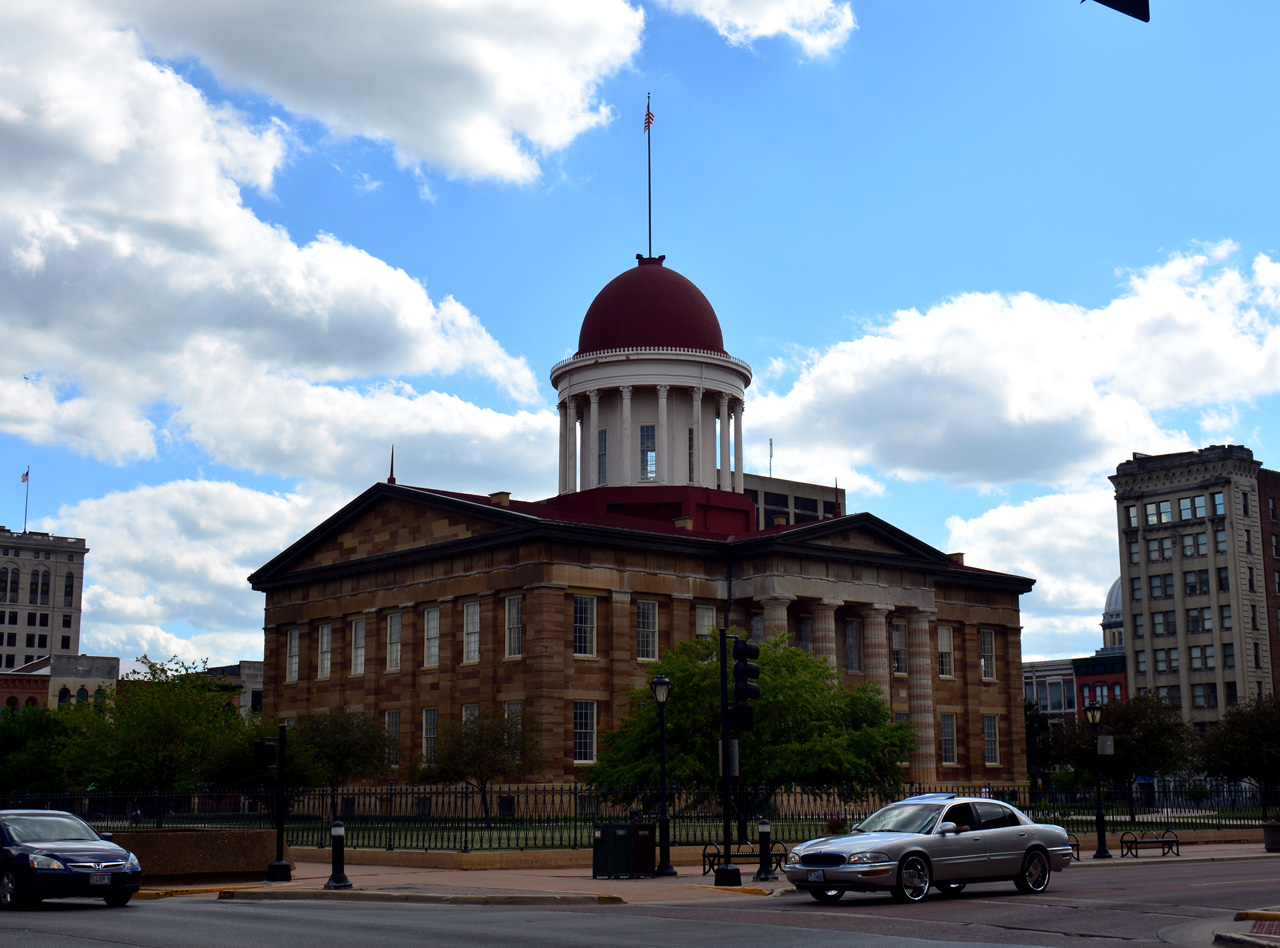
[745, 671]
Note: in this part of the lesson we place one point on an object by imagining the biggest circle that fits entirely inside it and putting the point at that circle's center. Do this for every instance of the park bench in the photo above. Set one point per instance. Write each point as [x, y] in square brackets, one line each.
[713, 857]
[1166, 842]
[1075, 846]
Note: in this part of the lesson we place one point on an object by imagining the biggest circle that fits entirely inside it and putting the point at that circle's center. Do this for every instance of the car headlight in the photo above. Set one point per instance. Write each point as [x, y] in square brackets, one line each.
[40, 861]
[793, 856]
[857, 859]
[132, 862]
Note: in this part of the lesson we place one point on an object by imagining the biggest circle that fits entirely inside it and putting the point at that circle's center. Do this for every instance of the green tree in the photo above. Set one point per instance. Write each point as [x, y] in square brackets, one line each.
[1246, 746]
[809, 732]
[159, 729]
[1040, 741]
[339, 747]
[32, 749]
[486, 747]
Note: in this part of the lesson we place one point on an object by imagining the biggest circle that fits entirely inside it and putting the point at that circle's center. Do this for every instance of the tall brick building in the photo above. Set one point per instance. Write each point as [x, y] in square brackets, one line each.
[421, 606]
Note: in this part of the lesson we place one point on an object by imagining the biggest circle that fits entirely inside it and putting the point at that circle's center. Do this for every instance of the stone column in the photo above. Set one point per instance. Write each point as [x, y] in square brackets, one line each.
[875, 647]
[737, 448]
[592, 447]
[697, 436]
[920, 665]
[775, 615]
[564, 446]
[725, 465]
[584, 454]
[571, 449]
[824, 629]
[662, 447]
[626, 435]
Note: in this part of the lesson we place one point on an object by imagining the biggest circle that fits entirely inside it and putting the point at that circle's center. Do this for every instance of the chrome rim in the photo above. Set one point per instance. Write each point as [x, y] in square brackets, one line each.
[1036, 872]
[6, 889]
[915, 878]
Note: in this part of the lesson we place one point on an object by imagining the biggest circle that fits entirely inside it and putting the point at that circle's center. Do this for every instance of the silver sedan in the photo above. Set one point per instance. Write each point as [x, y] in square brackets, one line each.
[940, 840]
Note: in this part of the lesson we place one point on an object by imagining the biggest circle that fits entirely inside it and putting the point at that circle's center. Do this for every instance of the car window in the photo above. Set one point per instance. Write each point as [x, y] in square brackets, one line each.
[46, 829]
[962, 816]
[907, 818]
[996, 815]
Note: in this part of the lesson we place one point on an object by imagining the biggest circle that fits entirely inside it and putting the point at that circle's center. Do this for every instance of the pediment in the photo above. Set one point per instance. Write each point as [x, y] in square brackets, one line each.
[862, 541]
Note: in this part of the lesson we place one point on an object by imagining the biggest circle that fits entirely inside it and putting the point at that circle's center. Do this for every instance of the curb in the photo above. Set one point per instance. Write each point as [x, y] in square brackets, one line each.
[414, 897]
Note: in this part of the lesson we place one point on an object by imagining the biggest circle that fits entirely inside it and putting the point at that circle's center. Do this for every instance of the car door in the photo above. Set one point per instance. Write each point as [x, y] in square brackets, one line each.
[1006, 837]
[957, 857]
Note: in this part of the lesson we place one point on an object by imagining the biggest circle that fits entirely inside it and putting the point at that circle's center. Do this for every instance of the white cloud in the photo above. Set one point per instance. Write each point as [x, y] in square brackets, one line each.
[479, 89]
[818, 26]
[986, 388]
[129, 265]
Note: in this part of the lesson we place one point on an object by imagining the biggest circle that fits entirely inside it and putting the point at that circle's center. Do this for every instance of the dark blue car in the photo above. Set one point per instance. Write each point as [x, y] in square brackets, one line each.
[48, 854]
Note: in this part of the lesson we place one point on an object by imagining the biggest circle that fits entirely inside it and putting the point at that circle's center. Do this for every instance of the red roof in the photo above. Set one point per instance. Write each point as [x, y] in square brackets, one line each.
[650, 306]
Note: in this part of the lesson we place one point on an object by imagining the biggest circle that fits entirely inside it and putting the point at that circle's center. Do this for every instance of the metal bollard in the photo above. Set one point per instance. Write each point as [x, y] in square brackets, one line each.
[338, 877]
[765, 873]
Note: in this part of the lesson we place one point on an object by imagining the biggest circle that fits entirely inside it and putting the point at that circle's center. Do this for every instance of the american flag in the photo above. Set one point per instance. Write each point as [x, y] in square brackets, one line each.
[648, 119]
[25, 474]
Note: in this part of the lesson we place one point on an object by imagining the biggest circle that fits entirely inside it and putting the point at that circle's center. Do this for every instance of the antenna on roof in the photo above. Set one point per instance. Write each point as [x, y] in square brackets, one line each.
[771, 457]
[391, 478]
[648, 121]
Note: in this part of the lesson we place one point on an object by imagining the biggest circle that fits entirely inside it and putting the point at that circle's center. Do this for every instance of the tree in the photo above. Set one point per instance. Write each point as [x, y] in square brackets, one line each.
[1040, 745]
[485, 747]
[32, 750]
[809, 732]
[1246, 745]
[339, 747]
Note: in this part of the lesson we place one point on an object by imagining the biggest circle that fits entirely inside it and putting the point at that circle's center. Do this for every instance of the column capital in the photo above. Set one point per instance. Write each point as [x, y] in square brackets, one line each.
[724, 401]
[594, 395]
[922, 612]
[875, 611]
[662, 390]
[696, 391]
[625, 390]
[775, 597]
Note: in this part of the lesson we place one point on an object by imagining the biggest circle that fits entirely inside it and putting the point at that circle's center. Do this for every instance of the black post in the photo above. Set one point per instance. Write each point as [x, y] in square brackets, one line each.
[338, 875]
[1094, 715]
[727, 874]
[765, 873]
[280, 870]
[661, 691]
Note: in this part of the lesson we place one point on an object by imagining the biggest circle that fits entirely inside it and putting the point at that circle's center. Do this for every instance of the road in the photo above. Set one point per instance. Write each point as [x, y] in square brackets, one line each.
[1137, 904]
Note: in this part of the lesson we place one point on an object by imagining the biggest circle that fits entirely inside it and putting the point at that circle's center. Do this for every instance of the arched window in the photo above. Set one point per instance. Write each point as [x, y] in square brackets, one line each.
[12, 704]
[99, 696]
[69, 589]
[64, 695]
[31, 703]
[44, 587]
[13, 585]
[82, 695]
[4, 582]
[33, 591]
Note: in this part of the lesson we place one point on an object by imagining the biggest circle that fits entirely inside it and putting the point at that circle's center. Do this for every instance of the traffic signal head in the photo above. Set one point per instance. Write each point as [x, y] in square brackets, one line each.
[745, 671]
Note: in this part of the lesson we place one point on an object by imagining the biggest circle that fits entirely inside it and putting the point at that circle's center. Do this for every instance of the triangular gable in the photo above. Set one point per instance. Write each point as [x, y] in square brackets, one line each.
[863, 533]
[859, 540]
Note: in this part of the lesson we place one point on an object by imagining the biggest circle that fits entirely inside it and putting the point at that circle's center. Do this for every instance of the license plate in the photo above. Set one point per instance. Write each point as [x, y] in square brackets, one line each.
[817, 875]
[100, 878]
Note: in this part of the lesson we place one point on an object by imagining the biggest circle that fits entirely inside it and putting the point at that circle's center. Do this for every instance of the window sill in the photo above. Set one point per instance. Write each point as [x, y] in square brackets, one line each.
[585, 658]
[513, 658]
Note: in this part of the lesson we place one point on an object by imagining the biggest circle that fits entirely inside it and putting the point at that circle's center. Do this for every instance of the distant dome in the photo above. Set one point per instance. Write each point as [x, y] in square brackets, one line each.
[1113, 611]
[650, 306]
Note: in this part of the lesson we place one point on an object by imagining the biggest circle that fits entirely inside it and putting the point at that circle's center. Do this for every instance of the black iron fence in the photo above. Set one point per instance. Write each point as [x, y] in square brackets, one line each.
[540, 816]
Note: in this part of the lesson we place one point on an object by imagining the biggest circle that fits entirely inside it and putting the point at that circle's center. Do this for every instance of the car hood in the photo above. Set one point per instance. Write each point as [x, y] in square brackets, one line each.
[856, 843]
[78, 850]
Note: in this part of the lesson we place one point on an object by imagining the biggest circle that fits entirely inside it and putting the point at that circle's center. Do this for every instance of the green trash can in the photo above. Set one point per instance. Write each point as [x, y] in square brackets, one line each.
[611, 851]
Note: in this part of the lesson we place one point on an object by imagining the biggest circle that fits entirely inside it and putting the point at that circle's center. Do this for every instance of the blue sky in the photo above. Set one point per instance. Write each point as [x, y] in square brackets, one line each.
[977, 255]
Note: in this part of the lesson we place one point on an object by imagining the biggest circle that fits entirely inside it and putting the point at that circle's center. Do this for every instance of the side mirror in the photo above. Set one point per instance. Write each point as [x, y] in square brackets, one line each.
[948, 827]
[105, 835]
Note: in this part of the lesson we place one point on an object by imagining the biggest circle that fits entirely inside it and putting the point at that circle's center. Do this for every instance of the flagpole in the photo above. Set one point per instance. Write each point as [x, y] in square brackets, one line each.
[26, 504]
[648, 134]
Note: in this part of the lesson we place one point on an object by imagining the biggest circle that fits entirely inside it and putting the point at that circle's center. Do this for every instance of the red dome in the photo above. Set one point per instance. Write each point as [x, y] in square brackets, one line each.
[647, 307]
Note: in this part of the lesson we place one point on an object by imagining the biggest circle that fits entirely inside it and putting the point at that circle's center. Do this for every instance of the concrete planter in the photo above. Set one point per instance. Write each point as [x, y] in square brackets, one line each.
[1271, 837]
[201, 853]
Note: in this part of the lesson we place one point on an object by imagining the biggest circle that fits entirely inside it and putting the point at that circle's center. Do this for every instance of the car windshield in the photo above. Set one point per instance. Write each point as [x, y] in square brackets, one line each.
[44, 829]
[904, 818]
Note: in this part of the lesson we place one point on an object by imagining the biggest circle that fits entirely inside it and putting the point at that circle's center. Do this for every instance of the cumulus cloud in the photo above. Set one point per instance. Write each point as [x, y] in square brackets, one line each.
[818, 26]
[129, 264]
[479, 89]
[987, 388]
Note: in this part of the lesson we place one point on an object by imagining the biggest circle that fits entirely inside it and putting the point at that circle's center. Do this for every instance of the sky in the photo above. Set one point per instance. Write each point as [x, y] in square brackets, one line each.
[976, 254]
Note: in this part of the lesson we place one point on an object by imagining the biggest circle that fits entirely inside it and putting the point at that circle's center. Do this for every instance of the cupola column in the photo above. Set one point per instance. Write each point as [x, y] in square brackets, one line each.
[564, 441]
[725, 480]
[591, 443]
[663, 446]
[697, 436]
[737, 448]
[571, 449]
[626, 435]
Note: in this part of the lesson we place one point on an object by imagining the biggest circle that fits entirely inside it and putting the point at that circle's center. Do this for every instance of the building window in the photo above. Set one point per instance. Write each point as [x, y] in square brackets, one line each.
[947, 729]
[69, 586]
[1160, 548]
[1135, 589]
[899, 634]
[431, 637]
[291, 656]
[602, 456]
[515, 626]
[1190, 508]
[1204, 695]
[1131, 515]
[430, 733]
[1257, 655]
[946, 655]
[690, 455]
[1225, 613]
[1138, 625]
[648, 453]
[1162, 660]
[1224, 579]
[1220, 541]
[1251, 589]
[1141, 659]
[325, 637]
[1134, 552]
[988, 653]
[991, 739]
[1231, 696]
[1228, 655]
[1248, 542]
[470, 712]
[704, 619]
[66, 620]
[584, 732]
[1253, 616]
[1195, 544]
[1244, 500]
[1200, 620]
[584, 628]
[357, 647]
[647, 631]
[66, 643]
[853, 645]
[757, 627]
[1196, 582]
[1206, 657]
[470, 632]
[391, 721]
[1219, 504]
[1162, 586]
[393, 642]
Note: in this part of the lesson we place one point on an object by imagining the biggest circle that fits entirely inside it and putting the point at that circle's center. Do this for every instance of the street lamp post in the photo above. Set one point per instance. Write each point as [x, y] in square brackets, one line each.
[661, 687]
[1093, 714]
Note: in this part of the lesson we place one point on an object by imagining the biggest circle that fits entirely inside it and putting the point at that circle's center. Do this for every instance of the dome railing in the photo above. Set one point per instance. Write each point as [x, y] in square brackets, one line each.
[650, 350]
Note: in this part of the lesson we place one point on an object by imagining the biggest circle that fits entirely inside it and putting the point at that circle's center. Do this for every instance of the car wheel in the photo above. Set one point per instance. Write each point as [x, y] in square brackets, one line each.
[827, 896]
[913, 879]
[951, 888]
[1035, 873]
[10, 898]
[117, 899]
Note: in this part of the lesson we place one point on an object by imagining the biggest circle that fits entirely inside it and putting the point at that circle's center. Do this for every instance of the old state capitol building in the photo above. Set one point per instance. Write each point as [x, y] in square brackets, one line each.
[420, 606]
